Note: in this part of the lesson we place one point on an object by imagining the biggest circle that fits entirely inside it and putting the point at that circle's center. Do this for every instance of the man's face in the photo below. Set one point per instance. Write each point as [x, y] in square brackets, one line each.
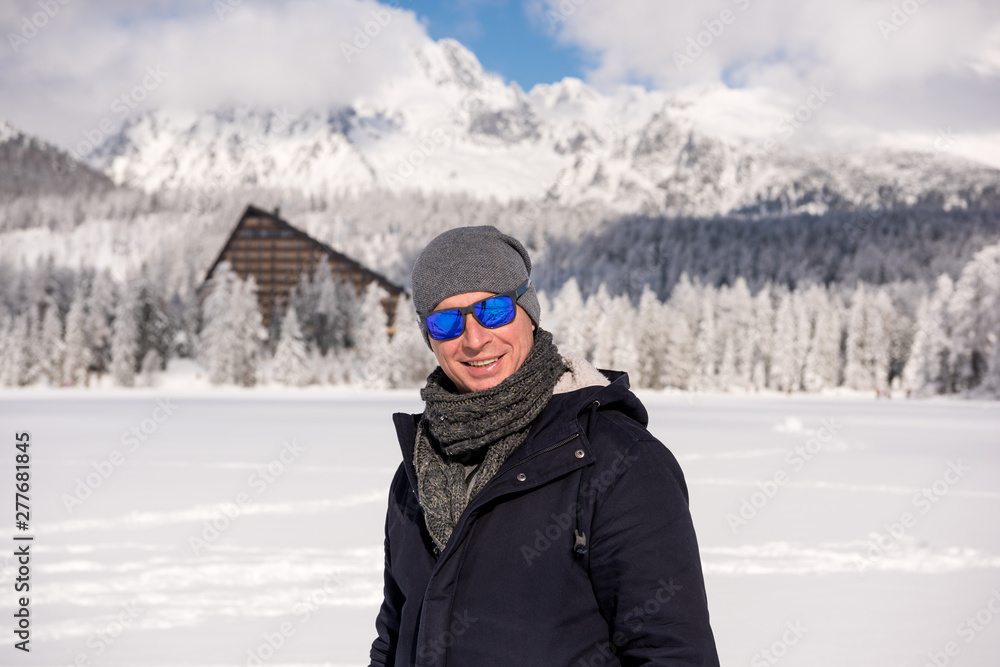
[505, 348]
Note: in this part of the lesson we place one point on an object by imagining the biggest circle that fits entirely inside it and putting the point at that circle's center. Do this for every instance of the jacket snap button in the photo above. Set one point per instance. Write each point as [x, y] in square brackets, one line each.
[580, 454]
[521, 477]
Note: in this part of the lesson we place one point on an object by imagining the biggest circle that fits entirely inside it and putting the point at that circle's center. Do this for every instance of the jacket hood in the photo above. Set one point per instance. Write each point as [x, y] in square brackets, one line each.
[616, 395]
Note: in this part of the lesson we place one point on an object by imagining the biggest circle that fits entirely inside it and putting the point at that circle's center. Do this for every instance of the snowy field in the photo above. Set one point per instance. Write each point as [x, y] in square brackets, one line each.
[246, 528]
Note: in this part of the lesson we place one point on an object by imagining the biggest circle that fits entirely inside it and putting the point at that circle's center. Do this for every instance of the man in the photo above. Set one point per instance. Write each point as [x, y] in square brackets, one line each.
[534, 520]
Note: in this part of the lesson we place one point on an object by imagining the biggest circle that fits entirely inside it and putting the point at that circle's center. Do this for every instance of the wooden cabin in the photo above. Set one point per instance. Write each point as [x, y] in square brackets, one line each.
[276, 254]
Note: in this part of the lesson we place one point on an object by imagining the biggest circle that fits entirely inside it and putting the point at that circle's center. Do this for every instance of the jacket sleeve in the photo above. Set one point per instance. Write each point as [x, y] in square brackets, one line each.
[644, 560]
[383, 652]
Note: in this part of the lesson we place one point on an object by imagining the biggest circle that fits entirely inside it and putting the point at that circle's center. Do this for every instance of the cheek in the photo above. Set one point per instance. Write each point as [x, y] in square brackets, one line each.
[441, 352]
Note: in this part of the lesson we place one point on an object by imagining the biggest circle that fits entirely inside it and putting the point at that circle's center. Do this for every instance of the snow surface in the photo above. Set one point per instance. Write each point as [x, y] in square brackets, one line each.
[306, 550]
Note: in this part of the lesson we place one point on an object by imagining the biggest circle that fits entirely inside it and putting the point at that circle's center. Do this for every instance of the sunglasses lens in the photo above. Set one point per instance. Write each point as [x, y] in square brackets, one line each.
[495, 312]
[444, 325]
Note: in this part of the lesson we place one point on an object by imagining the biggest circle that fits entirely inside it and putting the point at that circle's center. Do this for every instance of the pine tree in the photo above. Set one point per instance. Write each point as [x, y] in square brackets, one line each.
[155, 331]
[856, 374]
[704, 343]
[685, 299]
[570, 326]
[879, 322]
[762, 335]
[100, 308]
[601, 316]
[868, 341]
[625, 352]
[974, 312]
[349, 316]
[651, 341]
[371, 351]
[678, 361]
[78, 355]
[740, 331]
[230, 338]
[784, 350]
[20, 367]
[6, 323]
[823, 359]
[291, 359]
[804, 320]
[51, 349]
[411, 360]
[248, 326]
[125, 337]
[928, 368]
[328, 332]
[727, 367]
[16, 363]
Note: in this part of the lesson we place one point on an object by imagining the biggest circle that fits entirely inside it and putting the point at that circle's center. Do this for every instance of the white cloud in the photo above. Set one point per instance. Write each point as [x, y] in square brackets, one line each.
[895, 66]
[64, 79]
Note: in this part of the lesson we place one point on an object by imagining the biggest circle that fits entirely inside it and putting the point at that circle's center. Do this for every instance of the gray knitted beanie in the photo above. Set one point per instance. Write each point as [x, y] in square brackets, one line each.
[471, 259]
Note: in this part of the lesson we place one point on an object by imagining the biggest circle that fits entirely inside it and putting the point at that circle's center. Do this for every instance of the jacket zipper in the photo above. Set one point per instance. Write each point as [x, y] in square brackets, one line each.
[544, 451]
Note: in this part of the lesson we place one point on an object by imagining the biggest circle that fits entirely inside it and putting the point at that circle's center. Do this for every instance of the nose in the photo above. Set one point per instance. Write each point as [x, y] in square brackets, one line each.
[475, 335]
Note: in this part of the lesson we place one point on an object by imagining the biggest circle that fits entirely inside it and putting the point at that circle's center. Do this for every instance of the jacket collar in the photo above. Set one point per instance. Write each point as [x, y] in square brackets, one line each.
[559, 421]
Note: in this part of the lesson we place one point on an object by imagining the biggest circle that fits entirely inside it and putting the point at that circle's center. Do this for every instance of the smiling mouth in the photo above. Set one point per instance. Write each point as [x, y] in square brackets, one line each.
[483, 363]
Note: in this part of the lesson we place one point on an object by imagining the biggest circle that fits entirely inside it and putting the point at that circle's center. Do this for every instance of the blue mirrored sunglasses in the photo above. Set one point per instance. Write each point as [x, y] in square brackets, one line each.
[492, 312]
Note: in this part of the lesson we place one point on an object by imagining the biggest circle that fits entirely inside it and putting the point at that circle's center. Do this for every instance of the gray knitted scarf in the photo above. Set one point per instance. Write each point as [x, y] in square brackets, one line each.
[463, 439]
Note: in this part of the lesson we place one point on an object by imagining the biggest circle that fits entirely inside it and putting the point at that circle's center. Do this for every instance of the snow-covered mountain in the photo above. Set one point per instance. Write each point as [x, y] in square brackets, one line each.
[445, 125]
[30, 166]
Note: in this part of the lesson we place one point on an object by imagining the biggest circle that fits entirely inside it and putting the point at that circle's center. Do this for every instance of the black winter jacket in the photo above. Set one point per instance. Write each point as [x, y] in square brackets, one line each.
[579, 552]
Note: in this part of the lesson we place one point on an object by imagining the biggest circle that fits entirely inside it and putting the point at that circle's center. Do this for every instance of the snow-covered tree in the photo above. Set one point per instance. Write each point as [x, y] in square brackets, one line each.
[100, 309]
[412, 360]
[823, 362]
[705, 343]
[51, 350]
[762, 335]
[601, 318]
[868, 341]
[678, 361]
[882, 326]
[77, 354]
[17, 363]
[625, 352]
[738, 327]
[727, 377]
[291, 358]
[230, 337]
[371, 350]
[125, 336]
[569, 319]
[928, 367]
[784, 370]
[974, 311]
[155, 331]
[651, 340]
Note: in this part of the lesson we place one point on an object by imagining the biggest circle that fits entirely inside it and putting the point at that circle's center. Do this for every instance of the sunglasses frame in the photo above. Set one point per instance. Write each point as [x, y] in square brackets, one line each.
[470, 310]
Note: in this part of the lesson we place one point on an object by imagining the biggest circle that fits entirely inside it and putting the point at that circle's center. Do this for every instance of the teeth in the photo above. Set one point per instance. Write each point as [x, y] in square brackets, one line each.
[479, 364]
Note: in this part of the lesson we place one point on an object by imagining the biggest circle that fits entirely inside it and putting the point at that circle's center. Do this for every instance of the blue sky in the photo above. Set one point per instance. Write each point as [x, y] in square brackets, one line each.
[504, 36]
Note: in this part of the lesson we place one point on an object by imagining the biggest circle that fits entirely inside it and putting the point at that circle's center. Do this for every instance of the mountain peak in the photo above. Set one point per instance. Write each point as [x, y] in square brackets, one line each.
[445, 125]
[447, 62]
